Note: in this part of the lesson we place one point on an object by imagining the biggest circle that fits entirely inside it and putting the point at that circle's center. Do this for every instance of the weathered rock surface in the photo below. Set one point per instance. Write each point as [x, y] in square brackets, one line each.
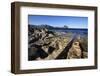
[75, 51]
[47, 45]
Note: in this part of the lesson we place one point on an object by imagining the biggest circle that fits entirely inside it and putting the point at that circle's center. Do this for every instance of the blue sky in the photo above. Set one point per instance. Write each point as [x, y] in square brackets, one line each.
[59, 21]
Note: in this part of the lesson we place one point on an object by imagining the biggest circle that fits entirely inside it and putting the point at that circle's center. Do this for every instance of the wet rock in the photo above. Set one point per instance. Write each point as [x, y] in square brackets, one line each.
[42, 53]
[32, 53]
[35, 52]
[51, 49]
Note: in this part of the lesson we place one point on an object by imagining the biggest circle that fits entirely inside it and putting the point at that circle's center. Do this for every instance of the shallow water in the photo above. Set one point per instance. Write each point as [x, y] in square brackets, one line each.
[80, 32]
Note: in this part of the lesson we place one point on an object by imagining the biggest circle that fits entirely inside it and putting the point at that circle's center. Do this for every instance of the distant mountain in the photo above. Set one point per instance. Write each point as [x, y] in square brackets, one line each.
[47, 27]
[41, 26]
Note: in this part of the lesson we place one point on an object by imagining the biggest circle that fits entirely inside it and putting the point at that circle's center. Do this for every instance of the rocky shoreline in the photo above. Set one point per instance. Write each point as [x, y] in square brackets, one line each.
[44, 44]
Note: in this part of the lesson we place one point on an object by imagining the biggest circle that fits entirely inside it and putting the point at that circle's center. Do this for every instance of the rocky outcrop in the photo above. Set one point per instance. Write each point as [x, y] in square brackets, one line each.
[75, 51]
[45, 44]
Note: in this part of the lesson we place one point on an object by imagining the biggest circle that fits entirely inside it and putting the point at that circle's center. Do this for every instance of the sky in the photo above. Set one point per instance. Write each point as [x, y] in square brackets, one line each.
[59, 21]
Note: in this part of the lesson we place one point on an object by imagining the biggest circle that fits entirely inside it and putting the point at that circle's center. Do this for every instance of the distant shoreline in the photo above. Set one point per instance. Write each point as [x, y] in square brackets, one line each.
[70, 28]
[57, 28]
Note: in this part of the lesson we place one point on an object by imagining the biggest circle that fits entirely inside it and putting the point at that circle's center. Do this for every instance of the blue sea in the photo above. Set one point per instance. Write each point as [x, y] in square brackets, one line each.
[74, 31]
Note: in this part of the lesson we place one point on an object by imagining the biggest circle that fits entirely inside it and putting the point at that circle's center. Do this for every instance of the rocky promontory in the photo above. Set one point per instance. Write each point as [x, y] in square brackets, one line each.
[44, 44]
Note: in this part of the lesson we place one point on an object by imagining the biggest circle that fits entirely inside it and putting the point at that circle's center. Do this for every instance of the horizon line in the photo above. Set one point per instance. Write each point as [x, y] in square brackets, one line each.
[58, 26]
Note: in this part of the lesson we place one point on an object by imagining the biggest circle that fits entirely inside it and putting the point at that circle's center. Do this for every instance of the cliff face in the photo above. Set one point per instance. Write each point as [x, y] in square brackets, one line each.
[46, 45]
